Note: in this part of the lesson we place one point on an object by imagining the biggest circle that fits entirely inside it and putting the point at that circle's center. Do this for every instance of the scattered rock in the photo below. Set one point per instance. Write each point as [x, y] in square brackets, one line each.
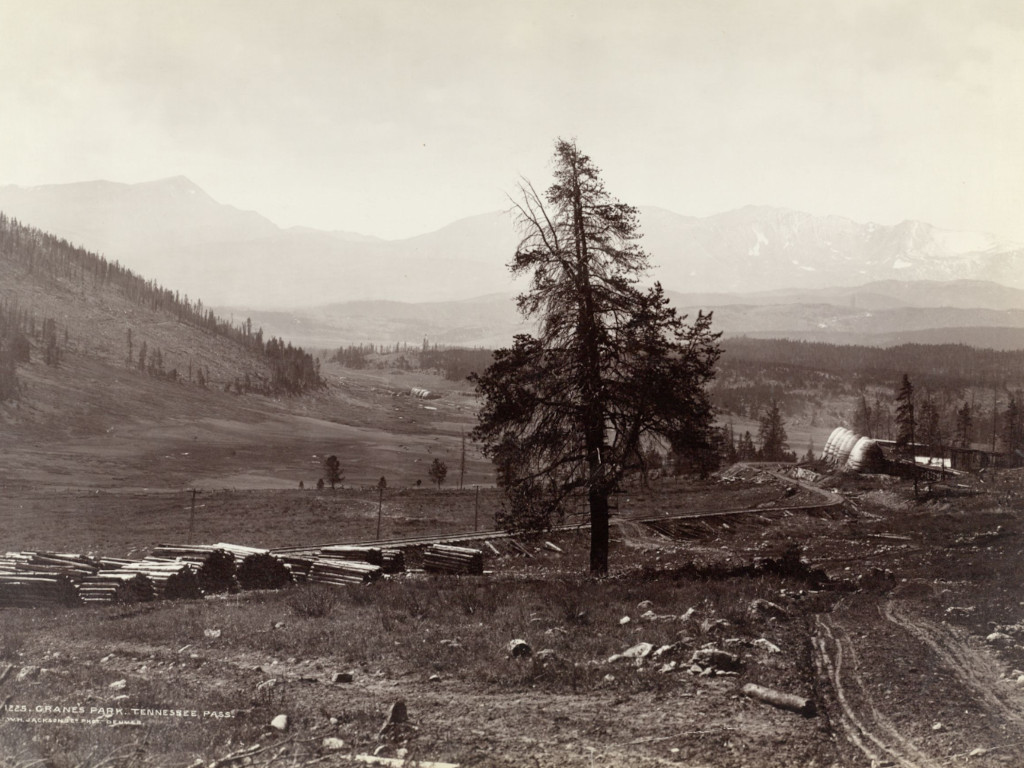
[688, 615]
[546, 655]
[977, 752]
[766, 645]
[960, 610]
[118, 685]
[664, 650]
[638, 653]
[999, 639]
[671, 666]
[435, 678]
[519, 649]
[106, 658]
[213, 634]
[333, 744]
[451, 643]
[767, 609]
[609, 678]
[26, 673]
[280, 723]
[715, 658]
[624, 621]
[936, 726]
[644, 606]
[342, 677]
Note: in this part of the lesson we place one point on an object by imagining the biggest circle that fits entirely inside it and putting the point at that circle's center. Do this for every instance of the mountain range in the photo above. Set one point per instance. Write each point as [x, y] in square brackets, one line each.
[762, 269]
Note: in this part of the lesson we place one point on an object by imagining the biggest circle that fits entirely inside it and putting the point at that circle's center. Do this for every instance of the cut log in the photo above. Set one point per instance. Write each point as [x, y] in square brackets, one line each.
[788, 701]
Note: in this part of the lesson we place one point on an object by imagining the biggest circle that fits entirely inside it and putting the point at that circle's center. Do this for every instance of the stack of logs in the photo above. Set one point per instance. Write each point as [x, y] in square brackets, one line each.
[340, 572]
[176, 571]
[215, 566]
[297, 566]
[116, 587]
[257, 568]
[442, 558]
[171, 579]
[389, 560]
[29, 579]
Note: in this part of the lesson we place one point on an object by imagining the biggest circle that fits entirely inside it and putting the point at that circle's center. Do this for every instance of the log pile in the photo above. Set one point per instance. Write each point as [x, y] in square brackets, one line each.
[298, 567]
[442, 558]
[342, 572]
[216, 566]
[116, 587]
[29, 590]
[390, 560]
[75, 567]
[263, 571]
[371, 555]
[171, 579]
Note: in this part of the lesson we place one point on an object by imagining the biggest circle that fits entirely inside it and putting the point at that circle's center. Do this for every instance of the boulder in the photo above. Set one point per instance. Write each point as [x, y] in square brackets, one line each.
[519, 649]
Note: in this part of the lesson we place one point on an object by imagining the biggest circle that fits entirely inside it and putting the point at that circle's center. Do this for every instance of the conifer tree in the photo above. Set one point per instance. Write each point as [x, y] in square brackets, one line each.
[611, 367]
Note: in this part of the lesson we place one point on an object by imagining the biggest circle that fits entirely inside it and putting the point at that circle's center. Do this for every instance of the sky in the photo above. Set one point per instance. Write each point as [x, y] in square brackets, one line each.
[397, 117]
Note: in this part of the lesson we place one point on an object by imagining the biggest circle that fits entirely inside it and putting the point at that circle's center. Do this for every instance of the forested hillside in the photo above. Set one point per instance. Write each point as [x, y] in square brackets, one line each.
[57, 300]
[967, 395]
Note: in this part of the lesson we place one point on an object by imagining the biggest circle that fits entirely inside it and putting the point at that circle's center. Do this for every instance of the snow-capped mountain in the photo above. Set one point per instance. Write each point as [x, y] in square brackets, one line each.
[173, 232]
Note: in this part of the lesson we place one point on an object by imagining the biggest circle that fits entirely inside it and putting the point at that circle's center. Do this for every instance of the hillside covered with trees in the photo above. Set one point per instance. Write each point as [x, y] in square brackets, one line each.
[57, 299]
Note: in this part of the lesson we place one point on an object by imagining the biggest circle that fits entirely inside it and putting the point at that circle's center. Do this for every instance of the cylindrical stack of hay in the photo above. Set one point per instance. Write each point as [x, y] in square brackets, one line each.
[327, 571]
[216, 567]
[442, 558]
[31, 590]
[116, 587]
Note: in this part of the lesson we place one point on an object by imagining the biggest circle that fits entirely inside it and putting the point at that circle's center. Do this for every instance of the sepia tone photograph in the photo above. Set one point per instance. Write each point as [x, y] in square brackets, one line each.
[477, 384]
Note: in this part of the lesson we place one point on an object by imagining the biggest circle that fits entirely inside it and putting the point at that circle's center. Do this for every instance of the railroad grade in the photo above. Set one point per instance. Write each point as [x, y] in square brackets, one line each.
[673, 526]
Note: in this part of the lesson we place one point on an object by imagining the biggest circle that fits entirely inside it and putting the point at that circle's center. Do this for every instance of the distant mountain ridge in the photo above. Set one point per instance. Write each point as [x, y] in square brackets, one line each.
[173, 231]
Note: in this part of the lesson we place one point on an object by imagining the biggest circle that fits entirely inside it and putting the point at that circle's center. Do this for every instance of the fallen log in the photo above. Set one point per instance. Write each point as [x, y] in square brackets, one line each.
[399, 762]
[787, 701]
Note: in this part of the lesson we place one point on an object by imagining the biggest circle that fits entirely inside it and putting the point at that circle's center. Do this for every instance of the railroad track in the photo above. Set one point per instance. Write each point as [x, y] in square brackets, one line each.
[669, 525]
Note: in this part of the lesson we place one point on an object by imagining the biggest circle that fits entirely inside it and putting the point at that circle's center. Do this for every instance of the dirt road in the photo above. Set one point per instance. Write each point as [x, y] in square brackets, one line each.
[906, 689]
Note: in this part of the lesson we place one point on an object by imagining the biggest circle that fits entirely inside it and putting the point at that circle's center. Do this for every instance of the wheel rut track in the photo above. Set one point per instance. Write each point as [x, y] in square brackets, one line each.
[861, 716]
[864, 725]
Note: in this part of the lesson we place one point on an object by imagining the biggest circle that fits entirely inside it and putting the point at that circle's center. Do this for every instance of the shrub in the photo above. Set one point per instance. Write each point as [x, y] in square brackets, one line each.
[314, 601]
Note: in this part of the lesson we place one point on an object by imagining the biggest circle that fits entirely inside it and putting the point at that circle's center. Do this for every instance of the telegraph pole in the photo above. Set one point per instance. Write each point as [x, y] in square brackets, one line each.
[192, 517]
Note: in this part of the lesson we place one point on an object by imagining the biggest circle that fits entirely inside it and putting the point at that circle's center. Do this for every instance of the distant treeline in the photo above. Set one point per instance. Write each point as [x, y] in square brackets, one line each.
[936, 366]
[44, 255]
[454, 363]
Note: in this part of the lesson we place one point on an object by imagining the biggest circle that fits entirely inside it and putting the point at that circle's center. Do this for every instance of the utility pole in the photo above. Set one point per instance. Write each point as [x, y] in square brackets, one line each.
[462, 461]
[913, 447]
[381, 485]
[476, 511]
[192, 517]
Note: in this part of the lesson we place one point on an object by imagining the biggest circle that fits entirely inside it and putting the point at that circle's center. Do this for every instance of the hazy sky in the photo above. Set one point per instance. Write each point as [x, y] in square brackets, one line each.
[396, 117]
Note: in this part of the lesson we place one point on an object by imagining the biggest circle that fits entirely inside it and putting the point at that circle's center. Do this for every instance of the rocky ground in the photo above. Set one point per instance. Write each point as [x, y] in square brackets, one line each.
[889, 630]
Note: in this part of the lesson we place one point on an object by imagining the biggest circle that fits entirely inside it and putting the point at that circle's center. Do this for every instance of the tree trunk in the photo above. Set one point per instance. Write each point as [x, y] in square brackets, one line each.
[598, 531]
